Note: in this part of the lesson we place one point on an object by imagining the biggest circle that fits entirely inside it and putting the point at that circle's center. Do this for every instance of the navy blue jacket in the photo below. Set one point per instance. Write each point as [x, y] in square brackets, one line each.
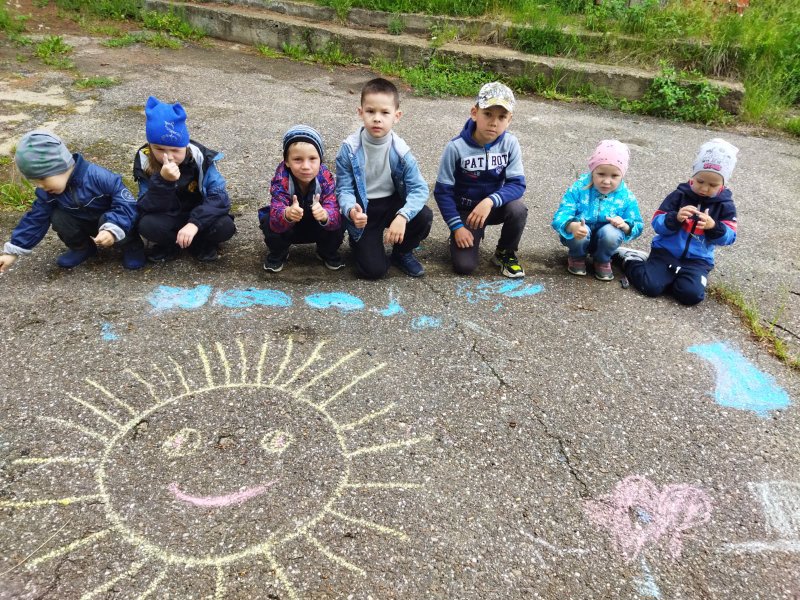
[92, 192]
[685, 240]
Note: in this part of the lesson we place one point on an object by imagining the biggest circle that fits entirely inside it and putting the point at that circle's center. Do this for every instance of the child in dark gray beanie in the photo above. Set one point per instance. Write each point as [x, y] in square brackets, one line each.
[87, 205]
[303, 209]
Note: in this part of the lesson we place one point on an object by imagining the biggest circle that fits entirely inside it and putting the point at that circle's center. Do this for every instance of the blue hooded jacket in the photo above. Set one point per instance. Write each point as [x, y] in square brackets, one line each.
[92, 192]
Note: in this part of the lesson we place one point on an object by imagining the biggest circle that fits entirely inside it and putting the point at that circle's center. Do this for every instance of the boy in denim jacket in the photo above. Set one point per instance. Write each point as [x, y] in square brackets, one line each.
[380, 189]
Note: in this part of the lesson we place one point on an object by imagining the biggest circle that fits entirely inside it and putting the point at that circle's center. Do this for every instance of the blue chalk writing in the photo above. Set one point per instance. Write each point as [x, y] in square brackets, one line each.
[341, 300]
[252, 297]
[740, 384]
[646, 584]
[107, 330]
[425, 322]
[528, 290]
[486, 289]
[393, 309]
[167, 298]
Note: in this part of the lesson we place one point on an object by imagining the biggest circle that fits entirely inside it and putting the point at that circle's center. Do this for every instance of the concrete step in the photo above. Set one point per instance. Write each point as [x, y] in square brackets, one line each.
[274, 24]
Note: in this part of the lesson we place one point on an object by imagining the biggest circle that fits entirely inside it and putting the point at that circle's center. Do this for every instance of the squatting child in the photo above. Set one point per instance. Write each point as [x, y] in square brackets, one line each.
[87, 205]
[303, 208]
[481, 182]
[379, 187]
[689, 224]
[598, 212]
[182, 197]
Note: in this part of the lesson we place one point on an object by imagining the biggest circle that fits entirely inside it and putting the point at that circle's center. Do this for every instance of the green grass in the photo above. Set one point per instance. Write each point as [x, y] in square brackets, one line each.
[15, 195]
[764, 333]
[268, 51]
[86, 83]
[53, 51]
[104, 9]
[11, 25]
[172, 24]
[154, 40]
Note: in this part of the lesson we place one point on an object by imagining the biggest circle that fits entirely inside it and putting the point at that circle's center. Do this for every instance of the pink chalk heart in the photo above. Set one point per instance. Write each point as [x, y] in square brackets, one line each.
[637, 514]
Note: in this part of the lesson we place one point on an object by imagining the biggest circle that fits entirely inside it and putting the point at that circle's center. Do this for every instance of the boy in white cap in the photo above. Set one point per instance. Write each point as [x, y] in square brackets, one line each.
[87, 205]
[689, 224]
[481, 182]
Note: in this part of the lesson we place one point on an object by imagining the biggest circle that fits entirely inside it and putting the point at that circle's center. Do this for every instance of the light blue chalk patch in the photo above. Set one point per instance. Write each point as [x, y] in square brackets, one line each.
[739, 383]
[528, 290]
[167, 298]
[425, 322]
[107, 331]
[643, 515]
[393, 309]
[646, 584]
[497, 307]
[504, 286]
[252, 297]
[340, 300]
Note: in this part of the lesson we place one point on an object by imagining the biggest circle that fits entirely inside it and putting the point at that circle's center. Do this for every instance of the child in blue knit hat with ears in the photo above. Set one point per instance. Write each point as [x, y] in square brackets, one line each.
[182, 197]
[87, 205]
[303, 209]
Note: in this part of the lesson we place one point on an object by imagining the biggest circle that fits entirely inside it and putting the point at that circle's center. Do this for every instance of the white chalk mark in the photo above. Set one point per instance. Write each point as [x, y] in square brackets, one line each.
[206, 365]
[219, 592]
[755, 547]
[384, 485]
[261, 358]
[780, 501]
[334, 557]
[150, 389]
[284, 362]
[69, 547]
[111, 396]
[242, 360]
[153, 585]
[368, 524]
[367, 418]
[329, 370]
[487, 333]
[389, 446]
[353, 382]
[309, 361]
[96, 410]
[287, 585]
[49, 460]
[135, 568]
[225, 364]
[181, 376]
[50, 501]
[77, 427]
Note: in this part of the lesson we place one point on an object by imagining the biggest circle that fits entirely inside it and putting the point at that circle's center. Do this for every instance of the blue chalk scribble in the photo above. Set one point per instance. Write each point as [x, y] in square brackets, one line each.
[486, 289]
[252, 297]
[340, 300]
[107, 331]
[646, 584]
[740, 384]
[166, 298]
[497, 307]
[393, 309]
[425, 322]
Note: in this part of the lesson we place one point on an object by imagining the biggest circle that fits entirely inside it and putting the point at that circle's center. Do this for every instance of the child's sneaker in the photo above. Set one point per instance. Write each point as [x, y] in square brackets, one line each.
[334, 263]
[408, 264]
[75, 256]
[208, 253]
[603, 272]
[163, 253]
[576, 266]
[508, 263]
[133, 256]
[274, 262]
[628, 254]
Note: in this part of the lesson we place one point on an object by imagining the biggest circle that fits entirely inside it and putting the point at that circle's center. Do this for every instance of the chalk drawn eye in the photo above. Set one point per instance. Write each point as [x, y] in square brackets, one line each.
[182, 443]
[276, 441]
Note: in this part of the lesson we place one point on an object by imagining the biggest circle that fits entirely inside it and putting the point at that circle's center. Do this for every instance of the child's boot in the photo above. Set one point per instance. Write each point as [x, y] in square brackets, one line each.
[133, 256]
[576, 266]
[407, 263]
[75, 256]
[164, 253]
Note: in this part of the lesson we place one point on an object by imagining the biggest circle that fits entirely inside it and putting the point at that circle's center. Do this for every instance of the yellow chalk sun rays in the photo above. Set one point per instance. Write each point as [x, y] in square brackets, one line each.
[115, 418]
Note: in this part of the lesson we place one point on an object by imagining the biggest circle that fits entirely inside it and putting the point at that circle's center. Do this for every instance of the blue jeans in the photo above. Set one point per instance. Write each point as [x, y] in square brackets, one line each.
[601, 243]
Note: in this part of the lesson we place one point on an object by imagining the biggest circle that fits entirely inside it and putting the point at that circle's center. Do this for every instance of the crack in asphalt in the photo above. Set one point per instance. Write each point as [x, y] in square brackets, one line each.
[562, 450]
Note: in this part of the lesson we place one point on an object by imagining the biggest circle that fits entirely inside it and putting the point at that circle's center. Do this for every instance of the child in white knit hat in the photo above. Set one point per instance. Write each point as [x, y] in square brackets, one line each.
[689, 224]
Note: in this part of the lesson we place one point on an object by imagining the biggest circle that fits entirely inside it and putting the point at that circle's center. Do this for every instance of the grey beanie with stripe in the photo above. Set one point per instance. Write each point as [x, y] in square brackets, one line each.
[41, 154]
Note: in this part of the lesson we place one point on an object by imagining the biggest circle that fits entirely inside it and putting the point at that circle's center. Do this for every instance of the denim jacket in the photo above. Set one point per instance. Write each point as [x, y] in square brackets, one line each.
[351, 182]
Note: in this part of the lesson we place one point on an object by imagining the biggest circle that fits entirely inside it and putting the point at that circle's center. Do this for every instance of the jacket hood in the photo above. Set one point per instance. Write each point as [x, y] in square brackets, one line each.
[469, 129]
[724, 196]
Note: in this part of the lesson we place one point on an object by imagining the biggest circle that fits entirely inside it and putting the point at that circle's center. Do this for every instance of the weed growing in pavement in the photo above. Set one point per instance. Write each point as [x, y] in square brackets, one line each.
[396, 25]
[106, 9]
[267, 51]
[159, 40]
[442, 34]
[752, 319]
[16, 195]
[154, 40]
[87, 83]
[11, 25]
[52, 51]
[341, 8]
[674, 95]
[173, 24]
[129, 39]
[296, 51]
[332, 54]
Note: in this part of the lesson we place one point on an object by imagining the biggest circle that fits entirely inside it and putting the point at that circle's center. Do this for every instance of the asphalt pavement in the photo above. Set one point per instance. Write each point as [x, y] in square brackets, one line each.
[212, 431]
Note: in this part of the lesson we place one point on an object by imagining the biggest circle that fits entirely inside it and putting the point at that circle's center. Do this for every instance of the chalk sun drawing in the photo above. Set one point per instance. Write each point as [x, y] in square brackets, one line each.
[739, 383]
[176, 505]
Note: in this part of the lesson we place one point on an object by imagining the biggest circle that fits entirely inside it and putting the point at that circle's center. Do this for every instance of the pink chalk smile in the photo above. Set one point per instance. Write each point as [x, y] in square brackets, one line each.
[220, 501]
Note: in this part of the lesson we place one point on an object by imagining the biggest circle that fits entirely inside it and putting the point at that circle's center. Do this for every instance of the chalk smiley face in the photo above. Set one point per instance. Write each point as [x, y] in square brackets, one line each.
[216, 474]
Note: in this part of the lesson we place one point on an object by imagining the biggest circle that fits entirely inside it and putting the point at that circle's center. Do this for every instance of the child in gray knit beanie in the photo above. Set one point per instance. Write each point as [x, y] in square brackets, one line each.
[87, 205]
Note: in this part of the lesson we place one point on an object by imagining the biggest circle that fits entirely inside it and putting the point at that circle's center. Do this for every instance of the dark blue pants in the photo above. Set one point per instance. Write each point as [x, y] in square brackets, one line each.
[686, 280]
[307, 231]
[76, 233]
[162, 229]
